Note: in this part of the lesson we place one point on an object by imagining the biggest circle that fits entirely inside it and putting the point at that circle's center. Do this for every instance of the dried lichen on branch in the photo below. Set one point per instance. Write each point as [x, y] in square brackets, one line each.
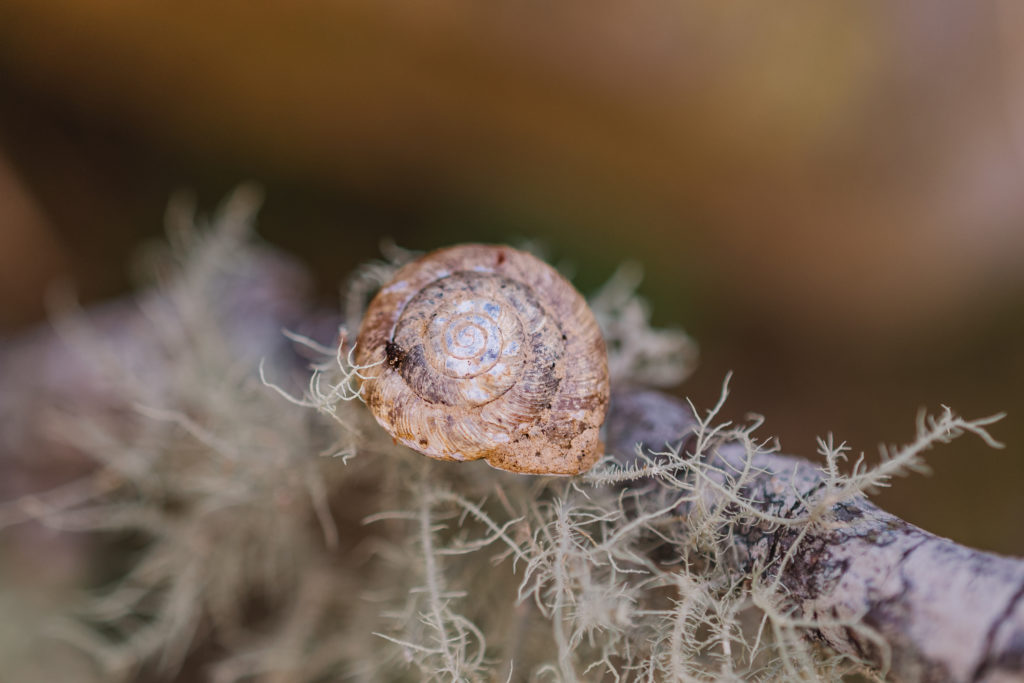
[675, 562]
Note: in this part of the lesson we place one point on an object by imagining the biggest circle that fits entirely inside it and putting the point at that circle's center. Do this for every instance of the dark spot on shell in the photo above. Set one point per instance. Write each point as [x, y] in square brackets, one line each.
[423, 442]
[551, 367]
[564, 337]
[394, 354]
[501, 257]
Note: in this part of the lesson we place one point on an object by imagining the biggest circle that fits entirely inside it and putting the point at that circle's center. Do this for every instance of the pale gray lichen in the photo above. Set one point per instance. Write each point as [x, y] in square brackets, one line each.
[264, 560]
[637, 352]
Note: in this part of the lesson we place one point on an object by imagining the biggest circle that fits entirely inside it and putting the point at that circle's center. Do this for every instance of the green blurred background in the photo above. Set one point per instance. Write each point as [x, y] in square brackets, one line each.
[828, 196]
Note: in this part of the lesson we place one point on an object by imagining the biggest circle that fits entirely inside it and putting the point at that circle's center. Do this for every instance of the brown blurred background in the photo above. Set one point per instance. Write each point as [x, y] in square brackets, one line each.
[829, 197]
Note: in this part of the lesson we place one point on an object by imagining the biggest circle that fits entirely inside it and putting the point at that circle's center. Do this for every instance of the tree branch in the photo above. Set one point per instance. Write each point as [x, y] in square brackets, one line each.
[935, 610]
[944, 612]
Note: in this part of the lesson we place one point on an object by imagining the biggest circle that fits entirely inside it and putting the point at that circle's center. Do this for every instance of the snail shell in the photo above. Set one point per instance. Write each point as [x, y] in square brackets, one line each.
[487, 352]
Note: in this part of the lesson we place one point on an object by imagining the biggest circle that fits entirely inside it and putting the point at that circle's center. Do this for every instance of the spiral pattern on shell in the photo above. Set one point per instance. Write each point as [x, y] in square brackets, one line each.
[487, 352]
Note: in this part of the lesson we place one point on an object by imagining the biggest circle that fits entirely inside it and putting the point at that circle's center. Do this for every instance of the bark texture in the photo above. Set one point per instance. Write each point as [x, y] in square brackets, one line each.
[945, 612]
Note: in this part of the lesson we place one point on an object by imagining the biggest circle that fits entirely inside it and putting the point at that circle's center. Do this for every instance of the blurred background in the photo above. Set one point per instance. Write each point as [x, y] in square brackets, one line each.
[828, 197]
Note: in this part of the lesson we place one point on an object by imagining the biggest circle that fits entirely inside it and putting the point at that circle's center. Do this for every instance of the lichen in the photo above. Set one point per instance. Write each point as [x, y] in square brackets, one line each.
[264, 558]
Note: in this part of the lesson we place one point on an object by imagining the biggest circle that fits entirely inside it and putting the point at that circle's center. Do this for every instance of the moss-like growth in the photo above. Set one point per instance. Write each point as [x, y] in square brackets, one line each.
[268, 559]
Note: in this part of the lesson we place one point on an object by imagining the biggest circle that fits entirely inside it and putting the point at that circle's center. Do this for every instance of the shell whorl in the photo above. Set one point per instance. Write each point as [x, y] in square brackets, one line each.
[488, 353]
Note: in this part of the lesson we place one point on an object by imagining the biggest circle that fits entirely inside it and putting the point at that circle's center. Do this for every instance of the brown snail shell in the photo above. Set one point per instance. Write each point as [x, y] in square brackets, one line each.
[487, 352]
